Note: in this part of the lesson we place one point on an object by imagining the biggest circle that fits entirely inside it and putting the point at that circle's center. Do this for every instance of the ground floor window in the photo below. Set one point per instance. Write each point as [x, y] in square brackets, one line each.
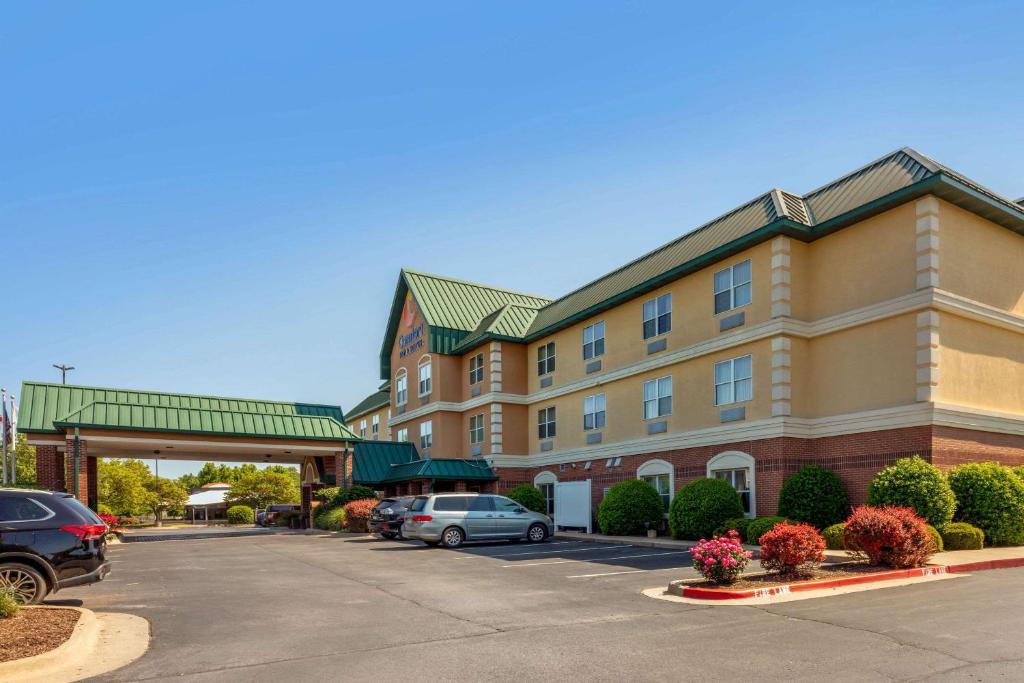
[545, 481]
[738, 479]
[658, 473]
[661, 485]
[737, 469]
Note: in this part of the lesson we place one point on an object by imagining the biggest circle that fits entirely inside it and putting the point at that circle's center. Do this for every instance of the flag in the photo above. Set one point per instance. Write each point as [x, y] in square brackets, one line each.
[6, 423]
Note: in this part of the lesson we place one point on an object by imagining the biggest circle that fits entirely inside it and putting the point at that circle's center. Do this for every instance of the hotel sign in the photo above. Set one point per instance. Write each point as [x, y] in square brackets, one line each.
[407, 343]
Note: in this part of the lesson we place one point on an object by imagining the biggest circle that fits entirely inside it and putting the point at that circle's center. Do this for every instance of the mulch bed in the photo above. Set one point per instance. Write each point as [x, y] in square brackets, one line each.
[824, 572]
[35, 631]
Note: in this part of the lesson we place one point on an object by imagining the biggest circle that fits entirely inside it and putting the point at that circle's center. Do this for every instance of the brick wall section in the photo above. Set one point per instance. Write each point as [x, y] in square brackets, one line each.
[83, 469]
[50, 468]
[951, 447]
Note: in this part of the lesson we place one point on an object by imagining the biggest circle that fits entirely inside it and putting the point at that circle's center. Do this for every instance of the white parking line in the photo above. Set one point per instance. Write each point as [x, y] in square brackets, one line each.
[600, 559]
[543, 552]
[630, 571]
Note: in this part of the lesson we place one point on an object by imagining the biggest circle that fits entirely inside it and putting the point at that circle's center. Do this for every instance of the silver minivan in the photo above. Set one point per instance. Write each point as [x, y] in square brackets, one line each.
[453, 518]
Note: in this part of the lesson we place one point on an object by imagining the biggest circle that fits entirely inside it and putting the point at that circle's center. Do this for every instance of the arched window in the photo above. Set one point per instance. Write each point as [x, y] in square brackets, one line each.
[309, 474]
[424, 376]
[658, 473]
[546, 481]
[401, 387]
[737, 468]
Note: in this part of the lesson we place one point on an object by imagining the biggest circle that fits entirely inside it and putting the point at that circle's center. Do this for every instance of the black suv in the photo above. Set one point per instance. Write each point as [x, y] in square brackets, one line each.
[48, 541]
[386, 517]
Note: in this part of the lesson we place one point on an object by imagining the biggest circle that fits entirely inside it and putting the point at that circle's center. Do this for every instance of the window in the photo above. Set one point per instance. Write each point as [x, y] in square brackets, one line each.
[476, 429]
[593, 341]
[476, 369]
[593, 412]
[506, 505]
[401, 388]
[658, 398]
[403, 435]
[375, 426]
[362, 428]
[732, 287]
[13, 509]
[733, 381]
[658, 473]
[546, 358]
[737, 469]
[546, 481]
[658, 316]
[426, 434]
[424, 377]
[453, 503]
[546, 423]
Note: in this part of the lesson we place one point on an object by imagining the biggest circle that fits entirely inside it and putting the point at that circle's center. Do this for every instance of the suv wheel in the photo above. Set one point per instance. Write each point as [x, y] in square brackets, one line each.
[26, 582]
[537, 533]
[452, 537]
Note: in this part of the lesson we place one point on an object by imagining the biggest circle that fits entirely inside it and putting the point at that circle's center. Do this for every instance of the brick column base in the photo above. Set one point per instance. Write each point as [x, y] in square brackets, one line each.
[50, 468]
[83, 469]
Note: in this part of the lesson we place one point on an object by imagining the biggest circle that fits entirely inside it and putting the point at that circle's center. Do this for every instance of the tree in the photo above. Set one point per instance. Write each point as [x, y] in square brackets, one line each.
[262, 488]
[25, 456]
[189, 481]
[122, 486]
[211, 473]
[165, 496]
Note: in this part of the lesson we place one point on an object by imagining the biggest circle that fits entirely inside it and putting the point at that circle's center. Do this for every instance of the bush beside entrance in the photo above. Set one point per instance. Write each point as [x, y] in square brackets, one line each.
[914, 483]
[814, 495]
[240, 514]
[630, 508]
[701, 507]
[991, 497]
[529, 497]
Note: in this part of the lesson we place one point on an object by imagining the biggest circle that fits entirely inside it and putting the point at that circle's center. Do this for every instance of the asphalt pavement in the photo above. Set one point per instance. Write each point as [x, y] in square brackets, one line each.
[323, 607]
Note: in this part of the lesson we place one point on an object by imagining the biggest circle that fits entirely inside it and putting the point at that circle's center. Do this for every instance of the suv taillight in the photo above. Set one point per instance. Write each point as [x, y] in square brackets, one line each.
[422, 518]
[86, 532]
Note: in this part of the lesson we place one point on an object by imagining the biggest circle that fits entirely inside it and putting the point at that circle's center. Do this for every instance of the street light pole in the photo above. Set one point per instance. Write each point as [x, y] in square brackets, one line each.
[64, 369]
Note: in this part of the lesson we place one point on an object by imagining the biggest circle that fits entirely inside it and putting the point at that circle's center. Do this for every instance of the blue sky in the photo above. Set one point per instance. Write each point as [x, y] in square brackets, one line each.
[217, 197]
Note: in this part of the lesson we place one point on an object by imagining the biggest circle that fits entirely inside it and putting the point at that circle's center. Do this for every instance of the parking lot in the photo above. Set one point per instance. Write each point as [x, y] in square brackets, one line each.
[322, 607]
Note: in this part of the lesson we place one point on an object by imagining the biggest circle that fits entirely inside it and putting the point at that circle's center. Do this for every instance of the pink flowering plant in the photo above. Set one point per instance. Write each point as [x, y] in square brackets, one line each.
[722, 559]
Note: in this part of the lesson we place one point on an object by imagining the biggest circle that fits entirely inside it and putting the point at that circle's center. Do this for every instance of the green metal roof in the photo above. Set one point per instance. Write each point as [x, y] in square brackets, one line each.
[511, 321]
[440, 468]
[182, 420]
[374, 401]
[372, 460]
[42, 405]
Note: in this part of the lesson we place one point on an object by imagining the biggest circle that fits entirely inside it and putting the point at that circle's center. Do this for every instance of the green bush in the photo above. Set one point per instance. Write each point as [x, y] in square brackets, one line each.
[833, 536]
[331, 519]
[357, 492]
[1018, 470]
[760, 526]
[739, 524]
[962, 536]
[701, 507]
[327, 495]
[9, 604]
[814, 495]
[936, 538]
[529, 497]
[990, 497]
[631, 507]
[917, 484]
[103, 509]
[240, 514]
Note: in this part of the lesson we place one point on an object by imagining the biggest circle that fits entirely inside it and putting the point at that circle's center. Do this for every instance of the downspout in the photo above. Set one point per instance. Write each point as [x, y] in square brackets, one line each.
[77, 456]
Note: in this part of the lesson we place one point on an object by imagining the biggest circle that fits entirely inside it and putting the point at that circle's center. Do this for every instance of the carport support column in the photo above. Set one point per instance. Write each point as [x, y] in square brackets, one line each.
[77, 473]
[50, 468]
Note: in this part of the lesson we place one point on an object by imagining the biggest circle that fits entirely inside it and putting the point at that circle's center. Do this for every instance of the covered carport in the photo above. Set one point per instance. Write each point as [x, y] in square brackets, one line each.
[72, 426]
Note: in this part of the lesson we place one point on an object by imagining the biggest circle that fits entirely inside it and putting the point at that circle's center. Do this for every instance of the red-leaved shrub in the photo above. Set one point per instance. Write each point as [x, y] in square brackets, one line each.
[792, 549]
[722, 559]
[892, 536]
[112, 521]
[357, 513]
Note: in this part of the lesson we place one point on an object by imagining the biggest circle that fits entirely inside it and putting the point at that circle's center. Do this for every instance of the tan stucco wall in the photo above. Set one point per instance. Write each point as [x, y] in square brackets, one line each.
[980, 260]
[381, 413]
[980, 366]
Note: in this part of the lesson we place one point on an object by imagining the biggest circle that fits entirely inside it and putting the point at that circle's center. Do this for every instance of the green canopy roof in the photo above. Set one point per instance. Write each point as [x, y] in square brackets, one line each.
[372, 460]
[439, 468]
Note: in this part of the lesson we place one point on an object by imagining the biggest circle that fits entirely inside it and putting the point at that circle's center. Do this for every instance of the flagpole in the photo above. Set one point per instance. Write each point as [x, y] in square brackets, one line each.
[3, 432]
[14, 441]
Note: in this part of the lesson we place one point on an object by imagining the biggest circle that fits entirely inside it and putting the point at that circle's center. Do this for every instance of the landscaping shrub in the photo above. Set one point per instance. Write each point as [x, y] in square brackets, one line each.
[888, 535]
[792, 549]
[760, 526]
[936, 538]
[631, 507]
[722, 559]
[990, 497]
[285, 518]
[529, 497]
[833, 536]
[330, 519]
[240, 514]
[914, 483]
[701, 506]
[738, 524]
[814, 495]
[1018, 470]
[9, 604]
[327, 496]
[103, 509]
[357, 514]
[346, 496]
[111, 521]
[962, 536]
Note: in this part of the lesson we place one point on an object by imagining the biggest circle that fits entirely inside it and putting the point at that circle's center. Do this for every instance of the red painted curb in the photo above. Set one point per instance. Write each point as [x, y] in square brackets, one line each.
[985, 565]
[726, 594]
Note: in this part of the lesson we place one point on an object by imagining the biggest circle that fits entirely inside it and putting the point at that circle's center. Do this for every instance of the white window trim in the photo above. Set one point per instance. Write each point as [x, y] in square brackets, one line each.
[732, 287]
[401, 374]
[545, 478]
[552, 356]
[430, 425]
[425, 362]
[480, 417]
[362, 428]
[714, 379]
[404, 431]
[737, 460]
[656, 467]
[593, 342]
[656, 316]
[595, 428]
[471, 369]
[643, 398]
[547, 422]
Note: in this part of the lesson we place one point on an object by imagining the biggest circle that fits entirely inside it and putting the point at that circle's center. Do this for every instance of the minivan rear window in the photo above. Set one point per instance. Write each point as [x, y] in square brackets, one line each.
[418, 504]
[452, 504]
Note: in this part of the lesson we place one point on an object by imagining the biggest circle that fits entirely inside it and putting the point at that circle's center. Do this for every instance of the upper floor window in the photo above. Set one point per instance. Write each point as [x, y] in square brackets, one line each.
[546, 358]
[546, 423]
[658, 316]
[476, 429]
[593, 341]
[733, 380]
[593, 412]
[401, 388]
[732, 287]
[375, 426]
[424, 377]
[476, 369]
[403, 434]
[426, 434]
[658, 398]
[362, 428]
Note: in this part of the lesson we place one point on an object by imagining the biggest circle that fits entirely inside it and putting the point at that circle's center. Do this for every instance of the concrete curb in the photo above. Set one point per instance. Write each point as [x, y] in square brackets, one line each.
[985, 565]
[99, 643]
[201, 536]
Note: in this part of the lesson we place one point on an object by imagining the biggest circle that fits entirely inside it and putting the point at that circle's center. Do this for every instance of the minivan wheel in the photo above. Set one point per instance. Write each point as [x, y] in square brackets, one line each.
[537, 533]
[452, 537]
[28, 585]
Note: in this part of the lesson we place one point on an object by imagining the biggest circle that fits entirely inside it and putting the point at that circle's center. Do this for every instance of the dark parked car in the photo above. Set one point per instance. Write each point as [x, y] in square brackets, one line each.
[260, 514]
[386, 518]
[48, 541]
[275, 511]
